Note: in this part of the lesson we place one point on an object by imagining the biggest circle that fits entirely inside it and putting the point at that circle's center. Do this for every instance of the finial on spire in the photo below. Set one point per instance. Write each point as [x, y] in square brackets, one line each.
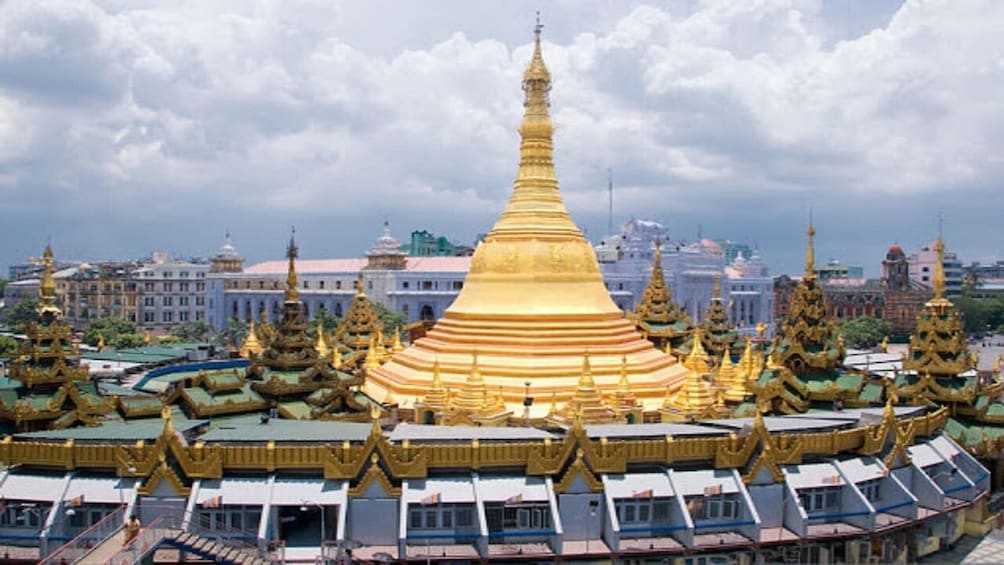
[539, 27]
[292, 295]
[939, 264]
[810, 254]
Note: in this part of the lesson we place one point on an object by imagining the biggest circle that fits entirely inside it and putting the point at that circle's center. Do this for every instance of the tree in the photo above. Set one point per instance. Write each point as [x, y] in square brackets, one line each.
[864, 332]
[980, 315]
[21, 314]
[110, 329]
[194, 332]
[8, 347]
[126, 341]
[391, 320]
[328, 321]
[233, 334]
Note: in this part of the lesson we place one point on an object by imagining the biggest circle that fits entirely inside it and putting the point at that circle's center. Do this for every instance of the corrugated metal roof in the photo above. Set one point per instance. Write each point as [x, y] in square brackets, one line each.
[627, 485]
[812, 475]
[694, 482]
[862, 469]
[782, 424]
[459, 489]
[35, 487]
[924, 455]
[498, 489]
[289, 431]
[416, 433]
[651, 430]
[102, 489]
[235, 490]
[150, 429]
[290, 491]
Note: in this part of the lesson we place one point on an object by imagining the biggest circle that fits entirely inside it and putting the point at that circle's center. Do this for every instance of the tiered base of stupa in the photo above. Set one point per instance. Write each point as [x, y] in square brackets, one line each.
[516, 350]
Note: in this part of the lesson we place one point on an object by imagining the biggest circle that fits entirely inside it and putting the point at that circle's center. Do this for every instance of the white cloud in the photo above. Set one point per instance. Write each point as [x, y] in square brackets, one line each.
[284, 109]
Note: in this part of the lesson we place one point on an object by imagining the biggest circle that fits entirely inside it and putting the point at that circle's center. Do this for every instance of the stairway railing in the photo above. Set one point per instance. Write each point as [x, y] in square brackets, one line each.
[147, 540]
[88, 539]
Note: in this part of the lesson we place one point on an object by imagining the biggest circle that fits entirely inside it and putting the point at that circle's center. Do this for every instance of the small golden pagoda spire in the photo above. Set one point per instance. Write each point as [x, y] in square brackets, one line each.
[624, 397]
[587, 402]
[554, 403]
[697, 361]
[101, 343]
[321, 347]
[437, 396]
[695, 396]
[292, 294]
[732, 378]
[251, 345]
[747, 363]
[473, 395]
[396, 346]
[372, 360]
[336, 357]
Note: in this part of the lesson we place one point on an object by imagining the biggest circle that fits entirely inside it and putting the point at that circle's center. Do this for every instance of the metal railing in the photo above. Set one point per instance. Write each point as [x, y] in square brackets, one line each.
[88, 539]
[147, 540]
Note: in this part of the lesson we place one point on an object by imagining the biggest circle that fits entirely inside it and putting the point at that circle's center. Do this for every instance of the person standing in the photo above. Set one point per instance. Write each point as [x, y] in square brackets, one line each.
[132, 528]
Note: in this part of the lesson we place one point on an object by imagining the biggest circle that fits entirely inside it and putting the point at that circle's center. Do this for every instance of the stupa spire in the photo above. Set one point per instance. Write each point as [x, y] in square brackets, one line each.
[47, 290]
[810, 253]
[938, 280]
[292, 294]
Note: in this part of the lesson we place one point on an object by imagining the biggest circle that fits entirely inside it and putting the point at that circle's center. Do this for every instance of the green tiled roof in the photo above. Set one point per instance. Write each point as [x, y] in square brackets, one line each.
[202, 397]
[872, 393]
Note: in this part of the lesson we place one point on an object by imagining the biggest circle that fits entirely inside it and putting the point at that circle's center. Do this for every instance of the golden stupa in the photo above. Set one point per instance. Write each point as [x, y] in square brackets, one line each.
[533, 300]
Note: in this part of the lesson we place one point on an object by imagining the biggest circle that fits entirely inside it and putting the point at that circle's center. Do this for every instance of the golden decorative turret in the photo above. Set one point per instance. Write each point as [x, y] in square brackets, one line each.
[656, 315]
[718, 331]
[291, 349]
[534, 297]
[939, 346]
[809, 344]
[49, 372]
[436, 400]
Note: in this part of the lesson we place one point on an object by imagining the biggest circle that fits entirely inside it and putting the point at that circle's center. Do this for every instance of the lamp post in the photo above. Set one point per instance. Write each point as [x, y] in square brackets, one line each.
[593, 504]
[303, 508]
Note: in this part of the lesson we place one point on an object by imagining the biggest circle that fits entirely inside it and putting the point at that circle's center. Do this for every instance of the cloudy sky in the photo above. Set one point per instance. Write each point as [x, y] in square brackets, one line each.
[127, 126]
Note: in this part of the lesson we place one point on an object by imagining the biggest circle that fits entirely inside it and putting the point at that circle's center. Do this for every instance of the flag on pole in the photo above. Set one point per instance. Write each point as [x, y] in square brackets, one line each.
[647, 493]
[831, 480]
[75, 502]
[713, 490]
[431, 499]
[214, 502]
[515, 499]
